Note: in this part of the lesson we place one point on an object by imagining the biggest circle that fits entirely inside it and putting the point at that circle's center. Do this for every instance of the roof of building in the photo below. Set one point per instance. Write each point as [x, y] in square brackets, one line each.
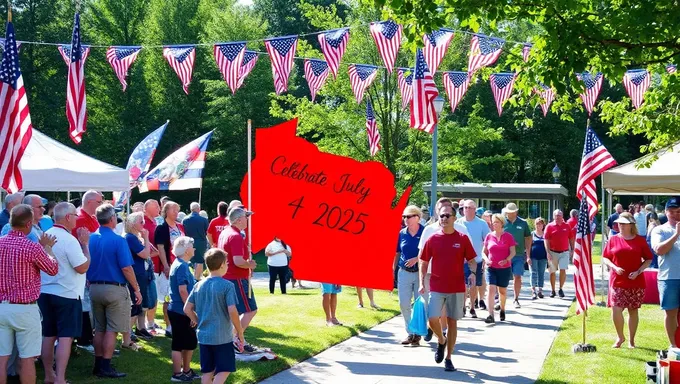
[501, 188]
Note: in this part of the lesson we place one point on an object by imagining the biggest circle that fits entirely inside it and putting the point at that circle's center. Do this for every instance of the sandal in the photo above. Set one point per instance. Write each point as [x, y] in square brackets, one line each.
[132, 346]
[336, 321]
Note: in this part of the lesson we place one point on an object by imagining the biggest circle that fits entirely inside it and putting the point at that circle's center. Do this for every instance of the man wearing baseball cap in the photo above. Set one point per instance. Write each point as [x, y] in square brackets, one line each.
[519, 229]
[666, 244]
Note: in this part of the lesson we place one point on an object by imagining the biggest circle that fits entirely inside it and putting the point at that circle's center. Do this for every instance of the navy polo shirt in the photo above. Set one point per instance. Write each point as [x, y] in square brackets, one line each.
[136, 247]
[109, 254]
[408, 247]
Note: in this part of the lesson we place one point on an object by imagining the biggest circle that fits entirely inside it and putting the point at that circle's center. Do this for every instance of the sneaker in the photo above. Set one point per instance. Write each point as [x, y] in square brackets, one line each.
[560, 292]
[482, 304]
[439, 354]
[502, 315]
[427, 338]
[134, 338]
[489, 319]
[464, 311]
[191, 375]
[497, 307]
[89, 348]
[540, 294]
[248, 348]
[534, 296]
[448, 366]
[473, 314]
[360, 306]
[179, 378]
[517, 306]
[111, 374]
[407, 340]
[416, 341]
[553, 294]
[476, 303]
[144, 334]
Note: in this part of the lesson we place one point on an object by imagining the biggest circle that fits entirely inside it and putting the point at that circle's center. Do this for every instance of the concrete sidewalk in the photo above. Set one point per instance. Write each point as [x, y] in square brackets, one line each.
[508, 352]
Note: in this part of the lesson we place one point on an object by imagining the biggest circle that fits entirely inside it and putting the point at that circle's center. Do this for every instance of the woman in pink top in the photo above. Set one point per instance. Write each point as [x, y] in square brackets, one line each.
[499, 249]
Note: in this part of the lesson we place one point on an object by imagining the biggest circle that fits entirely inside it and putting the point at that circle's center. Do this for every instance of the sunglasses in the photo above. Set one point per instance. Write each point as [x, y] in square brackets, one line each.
[408, 216]
[445, 216]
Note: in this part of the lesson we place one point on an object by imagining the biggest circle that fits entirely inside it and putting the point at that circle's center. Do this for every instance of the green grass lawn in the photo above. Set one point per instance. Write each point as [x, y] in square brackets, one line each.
[597, 249]
[293, 326]
[607, 365]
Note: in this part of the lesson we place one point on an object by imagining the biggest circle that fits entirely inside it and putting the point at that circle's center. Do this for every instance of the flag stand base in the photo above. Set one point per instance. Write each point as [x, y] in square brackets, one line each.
[583, 348]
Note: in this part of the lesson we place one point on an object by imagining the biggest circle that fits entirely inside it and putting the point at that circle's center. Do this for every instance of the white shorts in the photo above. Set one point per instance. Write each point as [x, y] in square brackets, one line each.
[162, 288]
[20, 325]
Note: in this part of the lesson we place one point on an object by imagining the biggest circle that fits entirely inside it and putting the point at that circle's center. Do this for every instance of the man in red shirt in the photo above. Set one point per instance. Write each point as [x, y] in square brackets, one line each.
[447, 250]
[559, 244]
[86, 219]
[239, 266]
[218, 224]
[21, 261]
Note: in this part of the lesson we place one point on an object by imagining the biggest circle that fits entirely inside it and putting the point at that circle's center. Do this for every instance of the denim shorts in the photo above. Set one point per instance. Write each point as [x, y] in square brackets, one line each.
[479, 277]
[669, 294]
[518, 265]
[331, 289]
[499, 277]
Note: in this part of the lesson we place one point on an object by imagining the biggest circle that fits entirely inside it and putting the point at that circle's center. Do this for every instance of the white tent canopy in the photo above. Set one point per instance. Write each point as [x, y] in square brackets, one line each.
[661, 178]
[49, 166]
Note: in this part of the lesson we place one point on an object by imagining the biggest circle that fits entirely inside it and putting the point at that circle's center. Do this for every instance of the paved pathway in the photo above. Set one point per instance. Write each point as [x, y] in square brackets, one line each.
[510, 352]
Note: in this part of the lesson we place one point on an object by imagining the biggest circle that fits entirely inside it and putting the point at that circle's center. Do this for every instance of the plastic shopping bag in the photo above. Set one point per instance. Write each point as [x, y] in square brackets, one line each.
[418, 324]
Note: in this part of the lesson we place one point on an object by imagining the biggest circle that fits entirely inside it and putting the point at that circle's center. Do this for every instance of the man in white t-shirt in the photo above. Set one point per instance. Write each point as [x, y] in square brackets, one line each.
[477, 230]
[60, 295]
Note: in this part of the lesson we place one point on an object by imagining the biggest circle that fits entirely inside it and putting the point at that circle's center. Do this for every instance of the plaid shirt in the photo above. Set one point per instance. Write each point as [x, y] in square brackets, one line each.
[21, 261]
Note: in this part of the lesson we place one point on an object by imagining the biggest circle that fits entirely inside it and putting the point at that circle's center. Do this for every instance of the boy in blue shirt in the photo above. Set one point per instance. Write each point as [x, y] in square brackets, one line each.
[212, 306]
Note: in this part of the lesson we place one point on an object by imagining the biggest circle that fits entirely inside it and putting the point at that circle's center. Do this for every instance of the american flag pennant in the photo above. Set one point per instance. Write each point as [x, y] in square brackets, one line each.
[671, 68]
[405, 79]
[65, 52]
[436, 44]
[547, 96]
[121, 58]
[229, 58]
[316, 73]
[247, 65]
[361, 76]
[387, 36]
[484, 51]
[526, 50]
[372, 130]
[76, 98]
[455, 84]
[282, 52]
[593, 84]
[423, 112]
[636, 82]
[181, 59]
[16, 129]
[333, 45]
[584, 281]
[501, 86]
[596, 159]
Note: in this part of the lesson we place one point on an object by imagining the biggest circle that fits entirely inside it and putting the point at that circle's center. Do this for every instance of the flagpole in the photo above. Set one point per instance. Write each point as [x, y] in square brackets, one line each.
[9, 11]
[250, 201]
[602, 244]
[200, 192]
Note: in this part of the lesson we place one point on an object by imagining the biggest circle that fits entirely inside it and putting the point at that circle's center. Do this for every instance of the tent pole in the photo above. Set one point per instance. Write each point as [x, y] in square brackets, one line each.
[68, 196]
[602, 243]
[200, 192]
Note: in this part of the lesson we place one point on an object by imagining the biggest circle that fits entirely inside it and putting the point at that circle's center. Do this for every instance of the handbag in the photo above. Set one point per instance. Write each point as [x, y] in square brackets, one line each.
[418, 323]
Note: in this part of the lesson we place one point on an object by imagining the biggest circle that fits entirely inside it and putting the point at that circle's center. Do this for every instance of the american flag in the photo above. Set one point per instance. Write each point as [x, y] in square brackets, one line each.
[387, 36]
[583, 278]
[121, 58]
[596, 159]
[15, 116]
[484, 51]
[501, 86]
[65, 51]
[316, 72]
[423, 113]
[436, 44]
[405, 78]
[547, 96]
[2, 44]
[593, 85]
[455, 84]
[333, 45]
[76, 103]
[181, 59]
[249, 61]
[229, 58]
[372, 130]
[282, 52]
[526, 50]
[671, 68]
[361, 76]
[636, 82]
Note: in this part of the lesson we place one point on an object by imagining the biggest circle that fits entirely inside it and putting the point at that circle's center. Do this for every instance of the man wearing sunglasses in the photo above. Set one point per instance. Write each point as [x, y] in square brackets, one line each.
[36, 202]
[447, 250]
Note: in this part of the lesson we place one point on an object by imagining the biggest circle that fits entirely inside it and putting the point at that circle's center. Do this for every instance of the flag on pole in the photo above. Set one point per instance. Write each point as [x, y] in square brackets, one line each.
[316, 73]
[583, 278]
[596, 159]
[333, 44]
[181, 170]
[361, 76]
[423, 113]
[76, 103]
[436, 44]
[181, 59]
[671, 68]
[372, 129]
[405, 79]
[526, 50]
[636, 82]
[139, 162]
[2, 43]
[593, 84]
[455, 84]
[247, 65]
[387, 36]
[282, 52]
[484, 51]
[501, 86]
[121, 58]
[229, 57]
[65, 52]
[547, 96]
[16, 119]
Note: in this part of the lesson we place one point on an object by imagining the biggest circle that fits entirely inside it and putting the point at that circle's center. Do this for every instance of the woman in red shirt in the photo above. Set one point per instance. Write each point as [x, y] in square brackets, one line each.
[626, 255]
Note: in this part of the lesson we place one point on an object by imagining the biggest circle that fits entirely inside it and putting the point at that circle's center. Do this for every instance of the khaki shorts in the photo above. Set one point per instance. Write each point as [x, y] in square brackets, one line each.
[452, 302]
[110, 308]
[20, 325]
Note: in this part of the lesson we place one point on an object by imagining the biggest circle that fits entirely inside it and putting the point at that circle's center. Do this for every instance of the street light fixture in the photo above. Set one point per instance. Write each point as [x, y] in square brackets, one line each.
[438, 107]
[556, 172]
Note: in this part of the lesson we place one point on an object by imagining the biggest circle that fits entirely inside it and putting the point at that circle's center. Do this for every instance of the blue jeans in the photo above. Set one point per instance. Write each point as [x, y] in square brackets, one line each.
[538, 272]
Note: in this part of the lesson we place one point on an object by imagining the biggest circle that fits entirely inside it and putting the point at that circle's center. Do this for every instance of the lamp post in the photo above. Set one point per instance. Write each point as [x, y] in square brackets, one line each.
[556, 172]
[438, 106]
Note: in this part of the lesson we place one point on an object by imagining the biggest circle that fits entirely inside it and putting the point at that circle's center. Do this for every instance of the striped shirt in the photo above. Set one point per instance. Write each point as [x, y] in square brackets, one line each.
[21, 261]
